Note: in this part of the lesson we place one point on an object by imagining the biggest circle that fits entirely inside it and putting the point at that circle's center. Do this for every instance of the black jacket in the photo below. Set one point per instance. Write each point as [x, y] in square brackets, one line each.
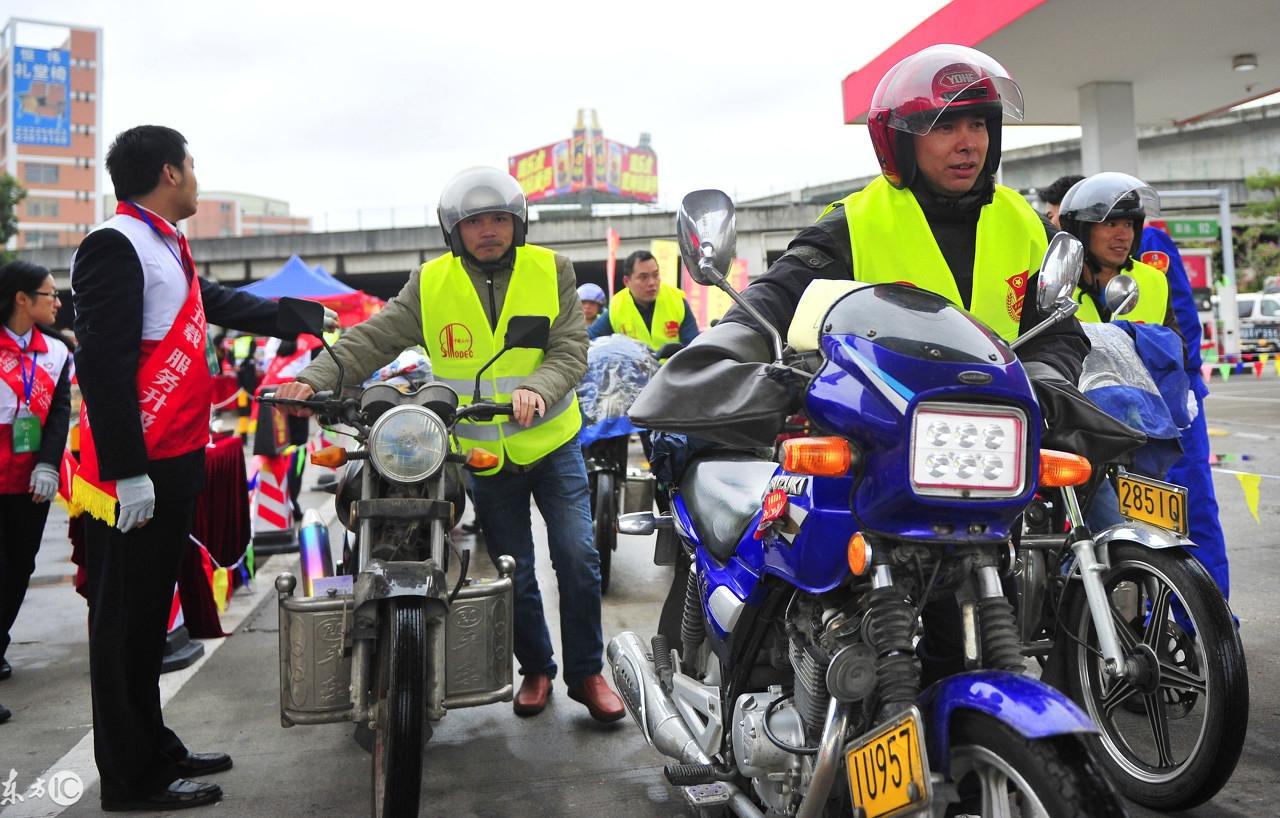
[822, 250]
[107, 294]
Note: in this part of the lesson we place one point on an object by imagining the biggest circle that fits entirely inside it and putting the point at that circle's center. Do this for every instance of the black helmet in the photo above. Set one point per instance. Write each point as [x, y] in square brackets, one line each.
[481, 190]
[1103, 197]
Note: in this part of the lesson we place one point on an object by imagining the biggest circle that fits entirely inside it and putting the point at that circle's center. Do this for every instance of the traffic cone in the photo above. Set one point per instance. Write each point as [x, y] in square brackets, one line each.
[273, 528]
[179, 650]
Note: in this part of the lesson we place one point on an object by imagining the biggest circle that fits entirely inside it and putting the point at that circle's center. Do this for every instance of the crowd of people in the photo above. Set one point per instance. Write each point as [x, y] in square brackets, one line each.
[935, 217]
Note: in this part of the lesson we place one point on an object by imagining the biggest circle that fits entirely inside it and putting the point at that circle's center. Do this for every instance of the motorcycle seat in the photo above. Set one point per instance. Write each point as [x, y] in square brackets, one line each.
[722, 496]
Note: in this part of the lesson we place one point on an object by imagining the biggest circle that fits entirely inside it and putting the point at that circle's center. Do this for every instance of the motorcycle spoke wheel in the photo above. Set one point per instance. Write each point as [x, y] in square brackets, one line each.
[400, 709]
[1000, 774]
[604, 526]
[1172, 731]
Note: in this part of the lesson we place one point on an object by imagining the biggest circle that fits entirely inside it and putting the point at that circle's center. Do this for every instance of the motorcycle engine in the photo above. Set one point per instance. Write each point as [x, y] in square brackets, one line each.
[774, 772]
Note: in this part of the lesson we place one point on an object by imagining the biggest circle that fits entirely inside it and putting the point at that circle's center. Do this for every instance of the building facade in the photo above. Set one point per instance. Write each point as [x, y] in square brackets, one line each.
[51, 128]
[225, 215]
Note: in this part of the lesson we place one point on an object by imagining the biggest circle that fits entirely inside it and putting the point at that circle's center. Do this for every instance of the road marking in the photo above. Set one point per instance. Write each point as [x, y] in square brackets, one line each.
[1243, 397]
[79, 759]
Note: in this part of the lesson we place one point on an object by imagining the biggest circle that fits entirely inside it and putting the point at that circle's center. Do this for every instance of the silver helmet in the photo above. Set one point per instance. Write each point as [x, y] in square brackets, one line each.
[481, 190]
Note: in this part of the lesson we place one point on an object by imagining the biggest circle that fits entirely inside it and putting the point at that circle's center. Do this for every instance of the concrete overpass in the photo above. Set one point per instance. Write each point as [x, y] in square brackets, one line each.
[379, 261]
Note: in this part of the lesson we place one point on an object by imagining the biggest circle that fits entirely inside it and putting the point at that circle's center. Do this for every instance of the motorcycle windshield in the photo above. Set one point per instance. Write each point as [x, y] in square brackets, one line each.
[917, 323]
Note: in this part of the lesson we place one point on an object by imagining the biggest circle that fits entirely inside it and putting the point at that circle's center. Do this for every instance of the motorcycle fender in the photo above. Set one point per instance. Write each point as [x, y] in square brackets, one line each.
[1027, 706]
[384, 580]
[1144, 534]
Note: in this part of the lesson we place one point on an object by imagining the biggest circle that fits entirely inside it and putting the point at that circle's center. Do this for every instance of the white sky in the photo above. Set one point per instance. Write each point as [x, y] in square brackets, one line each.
[338, 108]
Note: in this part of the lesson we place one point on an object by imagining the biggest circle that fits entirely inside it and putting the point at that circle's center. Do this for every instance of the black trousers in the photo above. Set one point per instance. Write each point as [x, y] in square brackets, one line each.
[21, 529]
[131, 585]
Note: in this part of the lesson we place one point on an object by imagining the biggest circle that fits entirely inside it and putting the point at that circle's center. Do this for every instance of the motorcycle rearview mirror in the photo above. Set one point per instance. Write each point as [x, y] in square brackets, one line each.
[1121, 295]
[706, 231]
[523, 332]
[1059, 271]
[298, 316]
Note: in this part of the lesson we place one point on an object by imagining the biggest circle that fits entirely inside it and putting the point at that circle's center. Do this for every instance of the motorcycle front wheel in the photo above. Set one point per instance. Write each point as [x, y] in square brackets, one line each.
[1171, 734]
[998, 772]
[400, 709]
[604, 527]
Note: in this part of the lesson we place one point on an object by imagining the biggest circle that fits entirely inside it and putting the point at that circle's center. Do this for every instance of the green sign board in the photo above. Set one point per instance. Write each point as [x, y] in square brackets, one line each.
[1193, 228]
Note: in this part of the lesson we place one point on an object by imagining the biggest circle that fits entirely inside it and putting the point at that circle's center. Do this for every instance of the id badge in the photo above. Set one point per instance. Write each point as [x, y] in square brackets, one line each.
[26, 433]
[211, 354]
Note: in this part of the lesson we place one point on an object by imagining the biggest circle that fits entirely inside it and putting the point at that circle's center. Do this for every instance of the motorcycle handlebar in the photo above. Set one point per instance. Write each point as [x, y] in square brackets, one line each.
[483, 411]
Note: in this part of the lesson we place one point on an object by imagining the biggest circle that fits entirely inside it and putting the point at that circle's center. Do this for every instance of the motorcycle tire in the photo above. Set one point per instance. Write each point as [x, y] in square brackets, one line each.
[604, 524]
[400, 709]
[1053, 776]
[1187, 697]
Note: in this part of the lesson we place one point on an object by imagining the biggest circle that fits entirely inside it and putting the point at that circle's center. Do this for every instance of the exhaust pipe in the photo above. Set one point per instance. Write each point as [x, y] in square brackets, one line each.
[654, 711]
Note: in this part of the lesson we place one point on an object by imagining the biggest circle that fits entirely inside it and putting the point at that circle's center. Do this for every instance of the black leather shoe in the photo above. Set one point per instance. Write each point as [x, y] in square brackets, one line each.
[204, 763]
[181, 794]
[5, 670]
[4, 713]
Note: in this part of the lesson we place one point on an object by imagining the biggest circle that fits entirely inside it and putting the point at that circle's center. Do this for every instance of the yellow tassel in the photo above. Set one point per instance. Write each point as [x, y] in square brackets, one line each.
[87, 497]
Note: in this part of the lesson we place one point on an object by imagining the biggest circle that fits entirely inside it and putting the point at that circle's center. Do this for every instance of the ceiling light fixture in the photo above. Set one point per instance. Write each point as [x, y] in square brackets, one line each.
[1244, 62]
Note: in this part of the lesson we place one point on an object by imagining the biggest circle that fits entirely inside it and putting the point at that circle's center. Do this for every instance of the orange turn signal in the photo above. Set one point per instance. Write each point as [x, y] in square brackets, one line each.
[479, 459]
[859, 554]
[1062, 469]
[331, 456]
[820, 456]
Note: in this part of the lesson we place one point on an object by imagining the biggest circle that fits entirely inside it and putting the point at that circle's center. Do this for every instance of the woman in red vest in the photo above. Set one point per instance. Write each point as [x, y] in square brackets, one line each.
[35, 407]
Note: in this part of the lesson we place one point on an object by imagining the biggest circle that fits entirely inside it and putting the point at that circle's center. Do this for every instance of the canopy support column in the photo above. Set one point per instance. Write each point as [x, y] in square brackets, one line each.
[1109, 138]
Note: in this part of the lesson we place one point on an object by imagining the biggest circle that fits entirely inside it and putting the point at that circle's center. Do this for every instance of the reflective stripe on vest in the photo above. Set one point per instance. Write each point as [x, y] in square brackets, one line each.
[460, 341]
[1153, 298]
[668, 313]
[892, 242]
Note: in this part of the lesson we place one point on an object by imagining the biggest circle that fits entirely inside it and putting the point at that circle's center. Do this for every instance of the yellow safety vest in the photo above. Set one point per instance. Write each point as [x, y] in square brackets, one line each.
[1153, 298]
[668, 313]
[892, 242]
[460, 341]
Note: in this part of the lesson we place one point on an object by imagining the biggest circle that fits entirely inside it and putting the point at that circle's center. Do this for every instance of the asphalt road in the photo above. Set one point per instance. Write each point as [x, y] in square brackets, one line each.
[486, 762]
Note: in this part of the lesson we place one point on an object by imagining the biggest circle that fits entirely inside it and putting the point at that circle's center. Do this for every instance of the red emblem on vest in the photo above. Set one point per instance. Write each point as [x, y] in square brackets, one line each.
[455, 341]
[1017, 292]
[1157, 259]
[673, 329]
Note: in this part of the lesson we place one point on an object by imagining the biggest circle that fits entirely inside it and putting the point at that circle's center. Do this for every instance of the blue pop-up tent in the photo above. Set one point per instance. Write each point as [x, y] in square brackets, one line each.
[296, 280]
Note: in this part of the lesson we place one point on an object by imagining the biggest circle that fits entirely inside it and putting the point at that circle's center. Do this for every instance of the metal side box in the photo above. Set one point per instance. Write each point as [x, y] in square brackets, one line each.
[638, 492]
[315, 675]
[478, 644]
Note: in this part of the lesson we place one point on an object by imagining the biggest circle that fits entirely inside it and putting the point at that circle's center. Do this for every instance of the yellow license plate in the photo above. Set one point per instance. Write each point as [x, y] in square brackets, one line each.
[1153, 501]
[888, 769]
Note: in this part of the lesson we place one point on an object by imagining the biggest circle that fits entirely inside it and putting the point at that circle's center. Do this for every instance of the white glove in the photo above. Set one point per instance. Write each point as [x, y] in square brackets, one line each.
[330, 320]
[44, 483]
[137, 498]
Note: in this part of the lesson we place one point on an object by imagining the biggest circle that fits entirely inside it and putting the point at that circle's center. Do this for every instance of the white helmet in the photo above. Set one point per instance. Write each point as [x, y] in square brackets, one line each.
[481, 190]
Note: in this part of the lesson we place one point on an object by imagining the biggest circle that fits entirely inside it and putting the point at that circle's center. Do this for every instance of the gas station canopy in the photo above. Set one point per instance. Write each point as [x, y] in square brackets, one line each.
[1177, 55]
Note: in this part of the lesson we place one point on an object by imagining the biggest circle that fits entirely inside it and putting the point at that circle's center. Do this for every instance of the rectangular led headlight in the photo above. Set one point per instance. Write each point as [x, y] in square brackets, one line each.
[967, 450]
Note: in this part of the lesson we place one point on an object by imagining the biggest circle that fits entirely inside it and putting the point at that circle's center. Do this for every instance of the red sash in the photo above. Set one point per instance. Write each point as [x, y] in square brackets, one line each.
[17, 467]
[174, 389]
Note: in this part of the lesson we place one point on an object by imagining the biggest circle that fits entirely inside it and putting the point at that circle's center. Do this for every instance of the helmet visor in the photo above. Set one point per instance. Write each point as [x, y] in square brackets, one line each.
[946, 79]
[1110, 195]
[480, 190]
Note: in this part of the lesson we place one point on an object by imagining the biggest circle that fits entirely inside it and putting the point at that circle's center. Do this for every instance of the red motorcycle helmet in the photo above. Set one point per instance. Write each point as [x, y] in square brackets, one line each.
[942, 80]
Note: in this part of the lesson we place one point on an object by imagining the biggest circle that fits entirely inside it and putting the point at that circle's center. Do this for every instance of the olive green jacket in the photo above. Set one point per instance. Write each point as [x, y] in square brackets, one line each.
[374, 343]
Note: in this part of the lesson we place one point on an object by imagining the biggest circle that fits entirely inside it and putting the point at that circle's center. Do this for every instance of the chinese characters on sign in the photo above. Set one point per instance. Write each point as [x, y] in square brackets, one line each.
[587, 161]
[42, 97]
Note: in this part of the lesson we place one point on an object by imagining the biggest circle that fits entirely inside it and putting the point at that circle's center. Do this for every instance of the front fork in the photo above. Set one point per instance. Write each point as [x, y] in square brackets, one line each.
[1115, 665]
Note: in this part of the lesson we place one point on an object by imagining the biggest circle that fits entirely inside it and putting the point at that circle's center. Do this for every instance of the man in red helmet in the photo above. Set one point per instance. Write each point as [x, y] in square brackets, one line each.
[935, 218]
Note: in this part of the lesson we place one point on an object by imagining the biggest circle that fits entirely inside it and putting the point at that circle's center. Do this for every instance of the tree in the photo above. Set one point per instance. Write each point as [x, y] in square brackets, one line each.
[1258, 254]
[10, 194]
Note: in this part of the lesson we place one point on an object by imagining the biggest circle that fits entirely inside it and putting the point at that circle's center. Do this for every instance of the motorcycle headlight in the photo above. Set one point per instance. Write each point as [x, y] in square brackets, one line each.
[961, 450]
[408, 444]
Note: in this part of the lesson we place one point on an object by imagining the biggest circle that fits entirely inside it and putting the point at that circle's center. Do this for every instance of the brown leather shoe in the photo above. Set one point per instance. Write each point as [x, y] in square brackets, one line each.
[532, 697]
[603, 703]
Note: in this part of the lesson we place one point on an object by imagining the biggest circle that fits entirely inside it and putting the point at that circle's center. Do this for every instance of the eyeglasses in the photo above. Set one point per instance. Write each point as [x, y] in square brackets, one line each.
[54, 294]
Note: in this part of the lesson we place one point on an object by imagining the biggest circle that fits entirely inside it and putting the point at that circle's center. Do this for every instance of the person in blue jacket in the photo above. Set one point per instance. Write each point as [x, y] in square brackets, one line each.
[1192, 471]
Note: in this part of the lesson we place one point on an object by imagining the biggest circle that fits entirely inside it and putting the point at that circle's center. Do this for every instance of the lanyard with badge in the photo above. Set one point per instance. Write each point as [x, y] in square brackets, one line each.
[26, 426]
[210, 354]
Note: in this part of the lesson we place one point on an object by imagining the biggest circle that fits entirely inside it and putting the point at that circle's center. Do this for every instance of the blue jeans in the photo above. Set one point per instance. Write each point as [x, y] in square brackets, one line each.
[558, 484]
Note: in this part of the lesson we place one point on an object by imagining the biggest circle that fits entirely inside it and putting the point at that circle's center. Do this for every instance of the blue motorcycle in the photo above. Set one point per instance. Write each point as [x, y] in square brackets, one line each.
[797, 659]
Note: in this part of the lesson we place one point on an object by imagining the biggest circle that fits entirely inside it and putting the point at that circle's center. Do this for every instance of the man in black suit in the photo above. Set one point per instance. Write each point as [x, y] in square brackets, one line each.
[143, 368]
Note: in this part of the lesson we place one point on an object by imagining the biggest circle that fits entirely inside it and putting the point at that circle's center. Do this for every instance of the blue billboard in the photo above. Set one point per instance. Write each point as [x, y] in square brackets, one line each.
[41, 96]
